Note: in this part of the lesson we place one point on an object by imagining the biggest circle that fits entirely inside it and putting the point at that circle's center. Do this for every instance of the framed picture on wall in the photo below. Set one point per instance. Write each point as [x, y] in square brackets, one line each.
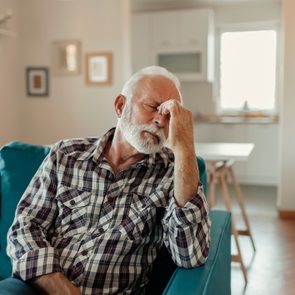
[66, 57]
[98, 69]
[37, 81]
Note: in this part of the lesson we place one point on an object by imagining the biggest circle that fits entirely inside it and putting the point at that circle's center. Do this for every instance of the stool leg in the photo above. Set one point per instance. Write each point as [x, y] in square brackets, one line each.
[240, 199]
[227, 201]
[212, 191]
[238, 258]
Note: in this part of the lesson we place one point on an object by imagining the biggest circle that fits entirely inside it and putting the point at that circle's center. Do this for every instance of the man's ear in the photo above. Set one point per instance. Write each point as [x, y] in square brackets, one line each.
[119, 104]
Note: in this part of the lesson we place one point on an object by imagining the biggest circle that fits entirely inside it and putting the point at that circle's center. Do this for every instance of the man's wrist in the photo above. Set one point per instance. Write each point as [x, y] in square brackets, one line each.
[184, 150]
[45, 283]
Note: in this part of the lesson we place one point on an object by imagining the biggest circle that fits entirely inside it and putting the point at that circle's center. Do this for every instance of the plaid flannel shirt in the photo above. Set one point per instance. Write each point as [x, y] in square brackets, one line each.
[103, 231]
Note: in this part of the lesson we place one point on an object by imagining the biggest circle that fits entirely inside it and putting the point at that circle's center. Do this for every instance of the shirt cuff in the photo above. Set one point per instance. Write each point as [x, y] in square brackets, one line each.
[37, 263]
[194, 211]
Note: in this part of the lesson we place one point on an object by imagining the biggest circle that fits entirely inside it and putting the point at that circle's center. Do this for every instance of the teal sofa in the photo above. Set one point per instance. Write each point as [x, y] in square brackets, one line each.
[19, 162]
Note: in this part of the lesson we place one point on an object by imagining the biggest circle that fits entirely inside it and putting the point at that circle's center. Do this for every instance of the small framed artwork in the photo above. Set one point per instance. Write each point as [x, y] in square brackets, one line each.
[99, 68]
[66, 57]
[37, 81]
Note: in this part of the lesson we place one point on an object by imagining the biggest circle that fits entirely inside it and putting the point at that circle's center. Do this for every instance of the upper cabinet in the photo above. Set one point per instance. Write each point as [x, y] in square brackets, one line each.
[164, 30]
[182, 41]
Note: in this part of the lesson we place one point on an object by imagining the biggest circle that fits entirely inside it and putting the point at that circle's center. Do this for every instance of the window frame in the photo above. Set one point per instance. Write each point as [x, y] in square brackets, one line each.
[240, 27]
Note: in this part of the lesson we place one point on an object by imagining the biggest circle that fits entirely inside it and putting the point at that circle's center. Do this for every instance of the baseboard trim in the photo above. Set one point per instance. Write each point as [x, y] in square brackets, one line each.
[287, 214]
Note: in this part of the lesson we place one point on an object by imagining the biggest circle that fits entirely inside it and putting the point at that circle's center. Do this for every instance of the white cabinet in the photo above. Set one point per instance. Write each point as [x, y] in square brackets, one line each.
[203, 132]
[196, 26]
[165, 30]
[183, 30]
[262, 165]
[182, 41]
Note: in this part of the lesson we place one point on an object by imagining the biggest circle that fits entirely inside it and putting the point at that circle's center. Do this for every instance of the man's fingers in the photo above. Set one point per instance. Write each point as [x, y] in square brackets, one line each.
[169, 107]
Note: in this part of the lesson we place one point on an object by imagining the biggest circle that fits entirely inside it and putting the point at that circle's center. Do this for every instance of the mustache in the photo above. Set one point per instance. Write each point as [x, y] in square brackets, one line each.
[153, 129]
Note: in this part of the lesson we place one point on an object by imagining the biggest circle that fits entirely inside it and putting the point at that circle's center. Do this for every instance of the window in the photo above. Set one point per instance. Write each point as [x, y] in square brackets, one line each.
[248, 70]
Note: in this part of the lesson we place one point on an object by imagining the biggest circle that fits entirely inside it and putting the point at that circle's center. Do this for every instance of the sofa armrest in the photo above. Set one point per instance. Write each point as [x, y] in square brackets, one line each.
[214, 276]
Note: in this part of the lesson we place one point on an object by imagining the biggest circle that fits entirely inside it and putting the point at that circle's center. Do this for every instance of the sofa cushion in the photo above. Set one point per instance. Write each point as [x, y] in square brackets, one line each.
[18, 164]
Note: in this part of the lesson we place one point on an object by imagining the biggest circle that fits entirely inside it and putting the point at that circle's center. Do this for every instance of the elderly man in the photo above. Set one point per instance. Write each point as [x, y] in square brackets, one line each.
[97, 212]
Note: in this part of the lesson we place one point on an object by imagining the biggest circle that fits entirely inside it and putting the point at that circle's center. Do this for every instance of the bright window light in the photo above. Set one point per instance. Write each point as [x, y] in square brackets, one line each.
[248, 70]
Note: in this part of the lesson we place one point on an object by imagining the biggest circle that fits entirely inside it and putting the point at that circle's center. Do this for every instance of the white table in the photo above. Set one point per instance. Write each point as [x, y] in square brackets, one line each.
[219, 151]
[220, 158]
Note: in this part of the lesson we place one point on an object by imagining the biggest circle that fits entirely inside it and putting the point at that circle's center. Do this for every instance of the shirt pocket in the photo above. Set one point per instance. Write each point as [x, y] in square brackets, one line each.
[73, 207]
[142, 219]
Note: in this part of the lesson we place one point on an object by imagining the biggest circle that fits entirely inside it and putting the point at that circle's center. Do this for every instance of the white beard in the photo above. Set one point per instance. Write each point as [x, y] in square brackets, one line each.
[133, 134]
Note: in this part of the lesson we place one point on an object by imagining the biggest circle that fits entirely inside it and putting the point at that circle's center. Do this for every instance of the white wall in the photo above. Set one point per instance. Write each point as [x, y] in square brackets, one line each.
[73, 109]
[287, 143]
[9, 100]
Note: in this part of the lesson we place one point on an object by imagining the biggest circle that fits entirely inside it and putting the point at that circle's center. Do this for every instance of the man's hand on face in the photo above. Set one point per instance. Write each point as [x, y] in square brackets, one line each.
[180, 137]
[181, 142]
[55, 284]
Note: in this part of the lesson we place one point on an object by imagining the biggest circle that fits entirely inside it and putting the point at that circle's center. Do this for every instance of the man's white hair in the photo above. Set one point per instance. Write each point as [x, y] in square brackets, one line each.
[127, 90]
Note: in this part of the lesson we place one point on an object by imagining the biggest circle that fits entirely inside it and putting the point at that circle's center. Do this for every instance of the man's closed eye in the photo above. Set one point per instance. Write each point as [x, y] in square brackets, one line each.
[150, 107]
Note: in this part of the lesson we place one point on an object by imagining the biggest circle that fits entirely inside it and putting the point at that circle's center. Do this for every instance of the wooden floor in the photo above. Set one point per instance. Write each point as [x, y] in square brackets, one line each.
[272, 269]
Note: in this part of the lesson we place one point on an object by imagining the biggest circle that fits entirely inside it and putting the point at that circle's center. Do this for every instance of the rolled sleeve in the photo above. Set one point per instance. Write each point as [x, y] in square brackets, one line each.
[37, 263]
[187, 230]
[27, 241]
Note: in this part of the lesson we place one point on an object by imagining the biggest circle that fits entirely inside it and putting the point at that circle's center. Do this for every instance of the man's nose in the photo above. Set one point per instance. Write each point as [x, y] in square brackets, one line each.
[161, 120]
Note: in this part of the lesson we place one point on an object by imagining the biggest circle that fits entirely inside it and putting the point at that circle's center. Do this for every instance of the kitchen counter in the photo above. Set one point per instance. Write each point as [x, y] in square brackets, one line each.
[237, 119]
[262, 166]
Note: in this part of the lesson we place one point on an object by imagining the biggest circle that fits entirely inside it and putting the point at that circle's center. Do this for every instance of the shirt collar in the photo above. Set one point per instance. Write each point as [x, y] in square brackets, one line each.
[98, 154]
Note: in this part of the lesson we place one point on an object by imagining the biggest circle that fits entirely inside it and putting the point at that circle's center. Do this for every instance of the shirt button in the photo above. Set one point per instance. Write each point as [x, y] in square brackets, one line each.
[84, 253]
[72, 202]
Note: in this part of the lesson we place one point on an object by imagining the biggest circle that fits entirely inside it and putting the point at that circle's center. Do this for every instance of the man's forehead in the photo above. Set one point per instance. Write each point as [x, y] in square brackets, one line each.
[156, 87]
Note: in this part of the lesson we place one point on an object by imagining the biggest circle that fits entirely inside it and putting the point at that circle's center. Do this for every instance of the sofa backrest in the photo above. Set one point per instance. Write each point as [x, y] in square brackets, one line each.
[18, 164]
